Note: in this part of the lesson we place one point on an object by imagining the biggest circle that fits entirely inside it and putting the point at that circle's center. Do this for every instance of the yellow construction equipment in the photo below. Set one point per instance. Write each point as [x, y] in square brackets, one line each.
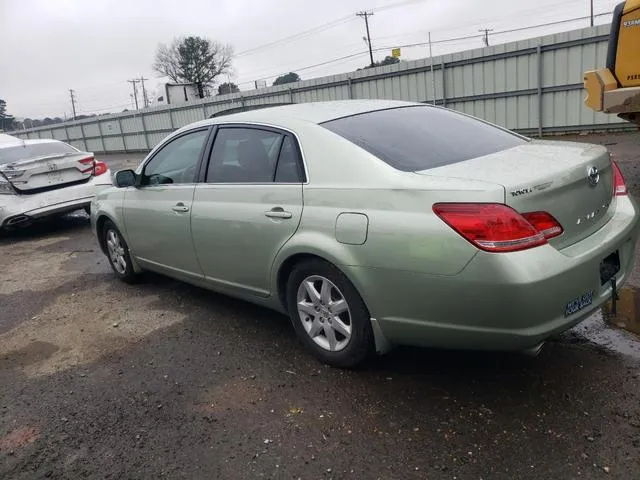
[616, 89]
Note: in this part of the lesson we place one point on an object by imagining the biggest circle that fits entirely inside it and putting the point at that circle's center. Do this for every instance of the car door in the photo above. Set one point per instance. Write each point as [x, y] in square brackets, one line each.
[157, 211]
[249, 205]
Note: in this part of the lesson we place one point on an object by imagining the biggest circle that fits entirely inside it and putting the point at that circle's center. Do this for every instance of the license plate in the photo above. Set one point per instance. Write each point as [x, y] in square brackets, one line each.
[55, 177]
[578, 304]
[609, 267]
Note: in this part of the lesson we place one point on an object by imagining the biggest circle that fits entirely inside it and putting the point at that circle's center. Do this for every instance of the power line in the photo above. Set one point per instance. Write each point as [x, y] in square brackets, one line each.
[433, 42]
[499, 32]
[310, 67]
[397, 4]
[297, 36]
[548, 24]
[366, 16]
[529, 12]
[106, 107]
[321, 28]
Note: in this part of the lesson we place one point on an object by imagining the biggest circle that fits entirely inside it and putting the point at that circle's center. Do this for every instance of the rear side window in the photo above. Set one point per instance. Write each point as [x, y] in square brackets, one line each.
[24, 152]
[422, 137]
[244, 155]
[289, 169]
[254, 155]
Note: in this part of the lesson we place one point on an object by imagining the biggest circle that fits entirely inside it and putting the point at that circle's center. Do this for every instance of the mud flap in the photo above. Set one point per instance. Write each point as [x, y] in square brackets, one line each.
[614, 296]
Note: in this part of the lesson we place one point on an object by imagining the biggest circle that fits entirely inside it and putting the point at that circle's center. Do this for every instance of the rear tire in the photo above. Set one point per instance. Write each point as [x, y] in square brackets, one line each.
[118, 253]
[328, 314]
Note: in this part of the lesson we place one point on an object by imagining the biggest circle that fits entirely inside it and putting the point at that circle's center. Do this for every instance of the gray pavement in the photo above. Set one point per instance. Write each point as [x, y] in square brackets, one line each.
[99, 379]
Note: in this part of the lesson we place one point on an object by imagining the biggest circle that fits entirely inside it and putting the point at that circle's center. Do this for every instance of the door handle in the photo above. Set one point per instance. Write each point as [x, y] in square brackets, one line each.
[278, 212]
[180, 208]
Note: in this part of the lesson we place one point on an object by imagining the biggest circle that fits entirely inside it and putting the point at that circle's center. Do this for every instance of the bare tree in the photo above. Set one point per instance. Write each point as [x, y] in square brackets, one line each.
[193, 60]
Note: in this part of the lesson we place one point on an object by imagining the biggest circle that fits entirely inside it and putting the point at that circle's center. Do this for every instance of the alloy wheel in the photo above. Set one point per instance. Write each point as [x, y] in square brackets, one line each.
[116, 252]
[324, 313]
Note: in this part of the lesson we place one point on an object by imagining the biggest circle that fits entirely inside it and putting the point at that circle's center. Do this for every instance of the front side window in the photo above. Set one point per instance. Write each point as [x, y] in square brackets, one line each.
[244, 155]
[422, 137]
[176, 162]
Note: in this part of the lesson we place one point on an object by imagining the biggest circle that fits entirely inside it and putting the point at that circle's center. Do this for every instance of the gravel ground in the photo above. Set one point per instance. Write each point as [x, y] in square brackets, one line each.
[100, 379]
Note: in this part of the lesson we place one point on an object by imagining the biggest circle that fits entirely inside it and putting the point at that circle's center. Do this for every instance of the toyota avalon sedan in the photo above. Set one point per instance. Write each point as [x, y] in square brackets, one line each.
[40, 178]
[379, 223]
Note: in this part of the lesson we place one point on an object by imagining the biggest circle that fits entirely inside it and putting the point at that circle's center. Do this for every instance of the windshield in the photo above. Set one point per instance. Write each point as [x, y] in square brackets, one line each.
[27, 151]
[422, 137]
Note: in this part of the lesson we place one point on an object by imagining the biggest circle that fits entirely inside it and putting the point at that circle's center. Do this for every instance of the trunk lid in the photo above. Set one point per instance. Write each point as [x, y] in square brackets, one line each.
[571, 181]
[46, 172]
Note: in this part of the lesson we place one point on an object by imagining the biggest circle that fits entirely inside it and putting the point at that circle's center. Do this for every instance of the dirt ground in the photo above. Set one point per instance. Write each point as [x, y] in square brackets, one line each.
[99, 379]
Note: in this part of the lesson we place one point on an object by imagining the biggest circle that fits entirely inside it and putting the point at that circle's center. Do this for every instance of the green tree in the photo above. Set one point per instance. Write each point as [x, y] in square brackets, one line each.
[6, 121]
[388, 60]
[194, 60]
[227, 88]
[287, 78]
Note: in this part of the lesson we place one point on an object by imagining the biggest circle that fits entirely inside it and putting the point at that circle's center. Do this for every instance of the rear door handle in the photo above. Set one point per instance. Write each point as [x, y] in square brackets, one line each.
[278, 212]
[180, 208]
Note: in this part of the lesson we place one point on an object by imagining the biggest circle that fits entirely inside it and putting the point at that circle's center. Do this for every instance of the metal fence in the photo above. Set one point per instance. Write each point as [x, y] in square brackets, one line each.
[533, 86]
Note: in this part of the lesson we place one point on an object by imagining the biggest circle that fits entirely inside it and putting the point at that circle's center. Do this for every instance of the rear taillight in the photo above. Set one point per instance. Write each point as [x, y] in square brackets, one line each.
[619, 187]
[491, 227]
[89, 162]
[100, 168]
[5, 186]
[544, 223]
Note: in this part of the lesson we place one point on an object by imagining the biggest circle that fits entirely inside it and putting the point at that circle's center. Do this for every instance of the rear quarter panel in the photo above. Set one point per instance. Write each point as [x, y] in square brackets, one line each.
[403, 232]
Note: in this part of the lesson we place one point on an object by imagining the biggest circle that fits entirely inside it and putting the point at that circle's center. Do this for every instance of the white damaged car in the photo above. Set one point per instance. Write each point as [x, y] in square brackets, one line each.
[39, 178]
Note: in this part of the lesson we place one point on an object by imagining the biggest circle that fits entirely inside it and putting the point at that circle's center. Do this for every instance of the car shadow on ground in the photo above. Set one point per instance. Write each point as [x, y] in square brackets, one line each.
[60, 224]
[263, 327]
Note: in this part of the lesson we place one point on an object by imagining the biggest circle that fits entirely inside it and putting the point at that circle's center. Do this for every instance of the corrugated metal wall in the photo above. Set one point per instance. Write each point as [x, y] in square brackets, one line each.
[533, 86]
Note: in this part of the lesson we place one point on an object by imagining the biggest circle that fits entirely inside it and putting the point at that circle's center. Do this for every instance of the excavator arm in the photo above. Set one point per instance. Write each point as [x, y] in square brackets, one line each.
[616, 88]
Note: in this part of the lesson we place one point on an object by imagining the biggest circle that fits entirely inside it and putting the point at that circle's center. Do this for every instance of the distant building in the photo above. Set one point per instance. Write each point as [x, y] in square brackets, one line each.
[175, 93]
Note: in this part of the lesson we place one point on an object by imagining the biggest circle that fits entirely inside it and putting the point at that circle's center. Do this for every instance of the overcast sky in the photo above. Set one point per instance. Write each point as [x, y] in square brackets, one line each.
[94, 46]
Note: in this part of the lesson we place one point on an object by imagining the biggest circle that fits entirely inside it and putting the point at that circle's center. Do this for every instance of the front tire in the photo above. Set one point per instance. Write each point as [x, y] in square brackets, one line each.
[118, 253]
[328, 314]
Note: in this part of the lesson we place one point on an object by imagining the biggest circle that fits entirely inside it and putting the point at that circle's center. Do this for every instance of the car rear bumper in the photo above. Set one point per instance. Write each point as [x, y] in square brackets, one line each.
[21, 209]
[509, 301]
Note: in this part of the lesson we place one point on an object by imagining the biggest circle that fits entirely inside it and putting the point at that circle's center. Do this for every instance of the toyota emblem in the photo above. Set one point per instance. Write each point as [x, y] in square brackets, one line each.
[594, 176]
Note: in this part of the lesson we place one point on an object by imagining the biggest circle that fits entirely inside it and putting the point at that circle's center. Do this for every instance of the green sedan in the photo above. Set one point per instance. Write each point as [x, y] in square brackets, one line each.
[379, 223]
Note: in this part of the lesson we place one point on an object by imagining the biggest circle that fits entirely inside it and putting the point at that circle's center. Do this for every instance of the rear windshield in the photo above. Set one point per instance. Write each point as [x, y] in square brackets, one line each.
[23, 152]
[422, 137]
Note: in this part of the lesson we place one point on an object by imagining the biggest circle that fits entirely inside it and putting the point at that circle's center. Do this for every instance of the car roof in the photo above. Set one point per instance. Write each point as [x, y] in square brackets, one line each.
[316, 112]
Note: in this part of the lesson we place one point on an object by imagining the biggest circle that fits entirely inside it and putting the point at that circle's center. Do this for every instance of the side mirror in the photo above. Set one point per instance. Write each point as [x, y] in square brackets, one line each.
[125, 178]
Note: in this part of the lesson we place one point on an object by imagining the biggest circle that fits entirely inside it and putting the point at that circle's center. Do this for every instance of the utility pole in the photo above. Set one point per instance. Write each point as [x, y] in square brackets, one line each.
[145, 100]
[591, 16]
[366, 16]
[433, 77]
[135, 90]
[73, 101]
[485, 39]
